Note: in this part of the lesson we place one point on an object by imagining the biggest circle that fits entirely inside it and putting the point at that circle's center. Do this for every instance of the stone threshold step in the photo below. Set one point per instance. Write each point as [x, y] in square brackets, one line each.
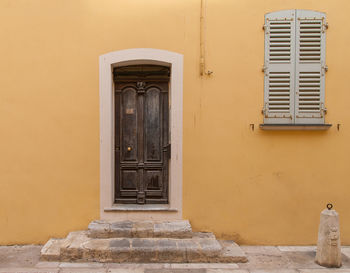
[78, 247]
[140, 229]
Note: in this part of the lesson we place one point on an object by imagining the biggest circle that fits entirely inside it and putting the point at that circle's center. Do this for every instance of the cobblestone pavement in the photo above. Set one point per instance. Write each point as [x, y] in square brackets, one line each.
[262, 259]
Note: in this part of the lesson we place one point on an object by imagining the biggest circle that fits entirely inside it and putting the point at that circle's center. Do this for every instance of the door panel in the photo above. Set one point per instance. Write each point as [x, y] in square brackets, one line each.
[153, 180]
[129, 180]
[129, 124]
[142, 148]
[152, 124]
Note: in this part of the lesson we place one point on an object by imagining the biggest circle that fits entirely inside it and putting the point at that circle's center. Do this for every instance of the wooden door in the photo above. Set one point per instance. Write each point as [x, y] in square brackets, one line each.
[142, 147]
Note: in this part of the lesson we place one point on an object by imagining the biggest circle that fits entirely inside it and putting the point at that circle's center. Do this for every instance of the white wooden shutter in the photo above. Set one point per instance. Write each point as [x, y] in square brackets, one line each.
[310, 67]
[279, 67]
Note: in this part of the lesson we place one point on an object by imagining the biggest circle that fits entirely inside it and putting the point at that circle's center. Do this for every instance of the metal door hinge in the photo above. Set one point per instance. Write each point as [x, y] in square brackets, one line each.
[265, 27]
[323, 110]
[324, 27]
[264, 110]
[324, 69]
[264, 69]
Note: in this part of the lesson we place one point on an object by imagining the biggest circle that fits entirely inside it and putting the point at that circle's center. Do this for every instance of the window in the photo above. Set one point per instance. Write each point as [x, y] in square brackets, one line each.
[294, 68]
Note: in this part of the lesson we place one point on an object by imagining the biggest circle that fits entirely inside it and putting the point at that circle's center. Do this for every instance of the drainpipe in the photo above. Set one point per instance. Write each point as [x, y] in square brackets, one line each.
[202, 66]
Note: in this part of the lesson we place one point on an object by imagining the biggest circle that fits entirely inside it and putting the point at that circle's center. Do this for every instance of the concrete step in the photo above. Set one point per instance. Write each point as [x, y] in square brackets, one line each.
[51, 250]
[231, 253]
[202, 247]
[140, 229]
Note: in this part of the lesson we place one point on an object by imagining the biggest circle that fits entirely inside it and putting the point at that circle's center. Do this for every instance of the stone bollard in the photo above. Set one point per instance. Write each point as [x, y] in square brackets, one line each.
[328, 245]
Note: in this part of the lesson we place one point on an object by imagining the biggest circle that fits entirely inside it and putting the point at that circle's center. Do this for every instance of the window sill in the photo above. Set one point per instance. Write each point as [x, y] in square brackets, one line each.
[133, 207]
[295, 127]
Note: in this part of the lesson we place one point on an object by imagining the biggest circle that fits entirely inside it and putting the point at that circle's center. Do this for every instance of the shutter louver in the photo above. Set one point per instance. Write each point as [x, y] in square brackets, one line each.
[279, 67]
[310, 63]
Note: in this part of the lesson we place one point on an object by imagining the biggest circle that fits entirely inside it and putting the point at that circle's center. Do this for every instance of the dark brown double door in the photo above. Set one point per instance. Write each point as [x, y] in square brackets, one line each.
[142, 147]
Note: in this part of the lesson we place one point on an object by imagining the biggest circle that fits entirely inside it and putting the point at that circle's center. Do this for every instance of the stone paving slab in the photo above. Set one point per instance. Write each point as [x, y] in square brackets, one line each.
[47, 264]
[226, 271]
[175, 271]
[29, 270]
[324, 270]
[83, 270]
[137, 266]
[267, 260]
[115, 270]
[140, 270]
[306, 260]
[301, 259]
[205, 265]
[19, 256]
[346, 251]
[297, 248]
[274, 271]
[270, 250]
[81, 265]
[264, 257]
[165, 270]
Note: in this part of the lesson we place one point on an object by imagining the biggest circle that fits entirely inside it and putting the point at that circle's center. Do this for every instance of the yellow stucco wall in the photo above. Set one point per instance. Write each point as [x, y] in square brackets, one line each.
[253, 186]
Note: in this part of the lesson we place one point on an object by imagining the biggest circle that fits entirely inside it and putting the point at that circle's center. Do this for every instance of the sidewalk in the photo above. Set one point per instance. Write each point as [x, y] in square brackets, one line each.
[262, 259]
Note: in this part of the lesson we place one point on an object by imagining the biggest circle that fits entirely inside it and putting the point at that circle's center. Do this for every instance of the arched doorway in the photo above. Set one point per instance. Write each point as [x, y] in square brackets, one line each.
[126, 69]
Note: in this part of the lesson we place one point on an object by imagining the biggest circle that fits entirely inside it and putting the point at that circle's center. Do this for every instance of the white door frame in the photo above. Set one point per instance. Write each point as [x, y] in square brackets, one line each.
[109, 210]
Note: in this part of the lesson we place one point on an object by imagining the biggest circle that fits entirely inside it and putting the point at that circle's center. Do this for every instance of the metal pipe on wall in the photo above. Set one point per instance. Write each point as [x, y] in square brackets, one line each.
[202, 65]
